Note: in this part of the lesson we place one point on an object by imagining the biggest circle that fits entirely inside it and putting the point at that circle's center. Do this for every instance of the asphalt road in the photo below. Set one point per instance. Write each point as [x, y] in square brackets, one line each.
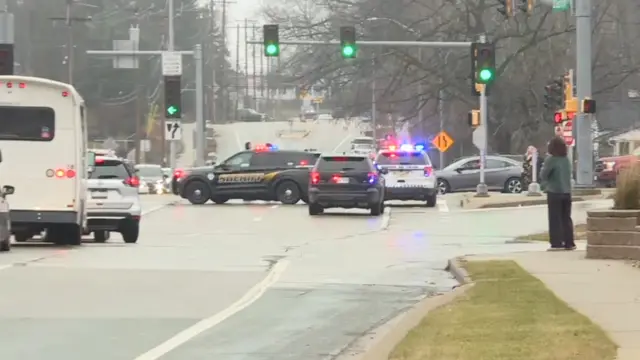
[241, 281]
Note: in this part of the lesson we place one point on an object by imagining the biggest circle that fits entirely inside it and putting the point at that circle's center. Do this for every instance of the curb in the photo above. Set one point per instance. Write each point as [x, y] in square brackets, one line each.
[378, 343]
[521, 203]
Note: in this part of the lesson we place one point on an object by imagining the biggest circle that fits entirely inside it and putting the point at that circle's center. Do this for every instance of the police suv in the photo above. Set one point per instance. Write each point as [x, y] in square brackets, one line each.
[264, 173]
[409, 174]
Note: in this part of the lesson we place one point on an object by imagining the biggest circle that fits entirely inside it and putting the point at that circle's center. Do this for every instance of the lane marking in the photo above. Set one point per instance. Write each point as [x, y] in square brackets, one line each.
[4, 267]
[156, 208]
[274, 206]
[386, 217]
[346, 138]
[258, 218]
[205, 324]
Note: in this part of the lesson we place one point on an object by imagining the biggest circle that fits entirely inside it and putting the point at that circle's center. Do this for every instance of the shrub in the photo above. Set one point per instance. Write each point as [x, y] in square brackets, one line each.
[627, 195]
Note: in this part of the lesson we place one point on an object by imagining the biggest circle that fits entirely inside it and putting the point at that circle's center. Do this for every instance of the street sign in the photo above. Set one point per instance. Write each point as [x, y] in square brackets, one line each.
[478, 138]
[110, 144]
[173, 131]
[442, 141]
[171, 63]
[561, 5]
[567, 133]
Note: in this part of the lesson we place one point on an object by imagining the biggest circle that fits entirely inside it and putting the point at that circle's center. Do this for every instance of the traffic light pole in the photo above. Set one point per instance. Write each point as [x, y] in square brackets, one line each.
[431, 44]
[583, 139]
[200, 123]
[482, 190]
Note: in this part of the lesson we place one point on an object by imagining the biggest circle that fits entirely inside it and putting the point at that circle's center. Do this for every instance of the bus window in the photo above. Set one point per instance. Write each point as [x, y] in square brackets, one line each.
[14, 125]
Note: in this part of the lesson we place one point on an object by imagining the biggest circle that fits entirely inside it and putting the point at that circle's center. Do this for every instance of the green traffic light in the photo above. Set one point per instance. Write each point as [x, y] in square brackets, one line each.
[485, 75]
[272, 49]
[348, 51]
[172, 110]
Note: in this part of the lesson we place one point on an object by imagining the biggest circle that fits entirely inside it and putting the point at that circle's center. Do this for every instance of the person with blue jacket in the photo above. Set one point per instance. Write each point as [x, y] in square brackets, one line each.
[556, 180]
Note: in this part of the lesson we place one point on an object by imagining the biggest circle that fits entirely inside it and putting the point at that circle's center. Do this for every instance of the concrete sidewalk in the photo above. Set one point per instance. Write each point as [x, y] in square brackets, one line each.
[605, 291]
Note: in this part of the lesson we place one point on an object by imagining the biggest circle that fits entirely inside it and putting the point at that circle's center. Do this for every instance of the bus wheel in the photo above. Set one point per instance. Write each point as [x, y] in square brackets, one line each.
[73, 234]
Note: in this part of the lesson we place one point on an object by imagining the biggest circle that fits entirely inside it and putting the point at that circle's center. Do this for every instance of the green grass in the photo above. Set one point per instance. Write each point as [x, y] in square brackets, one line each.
[579, 233]
[507, 315]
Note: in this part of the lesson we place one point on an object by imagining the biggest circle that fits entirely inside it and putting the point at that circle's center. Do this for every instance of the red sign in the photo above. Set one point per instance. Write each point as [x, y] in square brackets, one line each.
[567, 133]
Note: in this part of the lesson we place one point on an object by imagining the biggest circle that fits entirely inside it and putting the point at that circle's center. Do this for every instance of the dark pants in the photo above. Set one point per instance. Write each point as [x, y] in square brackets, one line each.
[560, 223]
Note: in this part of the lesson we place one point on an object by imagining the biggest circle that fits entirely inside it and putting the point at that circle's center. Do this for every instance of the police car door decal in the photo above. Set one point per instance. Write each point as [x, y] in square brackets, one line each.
[240, 178]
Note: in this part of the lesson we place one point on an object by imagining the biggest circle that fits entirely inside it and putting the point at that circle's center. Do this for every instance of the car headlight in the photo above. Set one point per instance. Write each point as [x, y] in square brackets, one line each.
[609, 165]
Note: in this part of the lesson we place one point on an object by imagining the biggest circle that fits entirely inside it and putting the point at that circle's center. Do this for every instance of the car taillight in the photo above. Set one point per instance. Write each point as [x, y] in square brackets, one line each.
[428, 170]
[179, 174]
[132, 181]
[303, 163]
[315, 178]
[372, 178]
[336, 178]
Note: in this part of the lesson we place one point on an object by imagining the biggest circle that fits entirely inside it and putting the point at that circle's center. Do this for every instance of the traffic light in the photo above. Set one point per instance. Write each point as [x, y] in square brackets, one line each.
[505, 7]
[559, 117]
[348, 42]
[589, 106]
[271, 38]
[474, 118]
[6, 59]
[553, 97]
[484, 62]
[172, 97]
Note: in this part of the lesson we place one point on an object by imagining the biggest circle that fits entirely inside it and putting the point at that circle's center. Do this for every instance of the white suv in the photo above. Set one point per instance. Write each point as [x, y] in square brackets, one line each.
[410, 175]
[113, 200]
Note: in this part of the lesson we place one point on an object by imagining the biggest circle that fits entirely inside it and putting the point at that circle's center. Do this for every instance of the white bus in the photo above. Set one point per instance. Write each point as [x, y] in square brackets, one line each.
[43, 139]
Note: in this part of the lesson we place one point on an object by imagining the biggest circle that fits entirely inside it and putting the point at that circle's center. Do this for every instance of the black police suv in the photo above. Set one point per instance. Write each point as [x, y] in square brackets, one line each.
[346, 181]
[271, 175]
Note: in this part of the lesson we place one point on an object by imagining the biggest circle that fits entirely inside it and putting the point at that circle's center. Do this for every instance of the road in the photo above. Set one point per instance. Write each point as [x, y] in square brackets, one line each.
[242, 281]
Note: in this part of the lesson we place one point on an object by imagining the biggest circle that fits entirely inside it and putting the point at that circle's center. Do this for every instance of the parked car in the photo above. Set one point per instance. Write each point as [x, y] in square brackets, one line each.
[501, 174]
[5, 219]
[250, 115]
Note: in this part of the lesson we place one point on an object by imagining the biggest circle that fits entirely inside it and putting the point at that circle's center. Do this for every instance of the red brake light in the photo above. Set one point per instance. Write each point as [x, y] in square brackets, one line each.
[133, 181]
[9, 85]
[427, 170]
[65, 93]
[178, 173]
[304, 162]
[336, 178]
[315, 177]
[99, 161]
[22, 85]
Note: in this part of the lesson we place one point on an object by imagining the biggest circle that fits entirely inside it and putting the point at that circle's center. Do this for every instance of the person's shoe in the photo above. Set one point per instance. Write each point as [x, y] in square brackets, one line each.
[570, 248]
[553, 248]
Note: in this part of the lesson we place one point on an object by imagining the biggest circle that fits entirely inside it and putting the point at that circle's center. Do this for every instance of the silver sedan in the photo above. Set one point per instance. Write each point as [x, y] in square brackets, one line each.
[501, 174]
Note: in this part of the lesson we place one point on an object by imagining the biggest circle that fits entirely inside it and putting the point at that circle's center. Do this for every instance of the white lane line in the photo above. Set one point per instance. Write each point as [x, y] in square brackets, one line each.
[275, 206]
[154, 209]
[258, 218]
[7, 266]
[205, 324]
[386, 217]
[346, 138]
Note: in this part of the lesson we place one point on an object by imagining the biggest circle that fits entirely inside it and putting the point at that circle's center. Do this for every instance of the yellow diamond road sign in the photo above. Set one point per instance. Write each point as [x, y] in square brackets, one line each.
[442, 141]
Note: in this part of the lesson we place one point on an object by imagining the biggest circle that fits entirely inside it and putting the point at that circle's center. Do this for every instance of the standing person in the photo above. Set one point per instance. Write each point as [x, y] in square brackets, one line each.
[556, 180]
[247, 145]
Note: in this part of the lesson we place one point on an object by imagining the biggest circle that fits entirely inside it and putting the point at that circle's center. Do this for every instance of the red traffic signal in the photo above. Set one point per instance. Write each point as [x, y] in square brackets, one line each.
[589, 106]
[557, 117]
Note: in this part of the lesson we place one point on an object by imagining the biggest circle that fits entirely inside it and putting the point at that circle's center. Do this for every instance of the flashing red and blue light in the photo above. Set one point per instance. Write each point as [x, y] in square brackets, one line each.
[265, 147]
[407, 147]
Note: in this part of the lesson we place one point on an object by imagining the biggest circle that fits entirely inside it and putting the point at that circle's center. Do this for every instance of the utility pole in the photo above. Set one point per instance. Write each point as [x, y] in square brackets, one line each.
[214, 68]
[246, 60]
[582, 135]
[69, 21]
[374, 122]
[253, 50]
[171, 47]
[237, 71]
[223, 76]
